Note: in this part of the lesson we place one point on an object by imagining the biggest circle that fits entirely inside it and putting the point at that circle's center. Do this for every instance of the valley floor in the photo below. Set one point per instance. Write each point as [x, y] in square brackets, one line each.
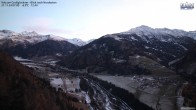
[156, 92]
[95, 97]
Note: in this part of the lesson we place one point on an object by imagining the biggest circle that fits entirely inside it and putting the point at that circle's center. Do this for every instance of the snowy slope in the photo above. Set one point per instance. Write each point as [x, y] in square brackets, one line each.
[159, 45]
[91, 40]
[77, 42]
[33, 37]
[6, 33]
[157, 32]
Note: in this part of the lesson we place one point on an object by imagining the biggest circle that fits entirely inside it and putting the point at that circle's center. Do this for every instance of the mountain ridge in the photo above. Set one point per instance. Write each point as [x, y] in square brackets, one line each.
[146, 30]
[34, 37]
[114, 52]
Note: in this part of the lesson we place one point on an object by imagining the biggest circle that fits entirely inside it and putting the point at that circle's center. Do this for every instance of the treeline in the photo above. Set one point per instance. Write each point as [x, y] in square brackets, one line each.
[123, 94]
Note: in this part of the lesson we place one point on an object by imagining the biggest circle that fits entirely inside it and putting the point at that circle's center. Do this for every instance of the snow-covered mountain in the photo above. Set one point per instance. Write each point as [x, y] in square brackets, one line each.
[25, 33]
[91, 40]
[116, 52]
[77, 41]
[32, 44]
[157, 32]
[33, 37]
[6, 33]
[27, 37]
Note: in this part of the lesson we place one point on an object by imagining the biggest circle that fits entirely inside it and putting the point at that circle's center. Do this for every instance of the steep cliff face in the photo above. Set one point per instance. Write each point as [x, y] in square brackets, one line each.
[20, 90]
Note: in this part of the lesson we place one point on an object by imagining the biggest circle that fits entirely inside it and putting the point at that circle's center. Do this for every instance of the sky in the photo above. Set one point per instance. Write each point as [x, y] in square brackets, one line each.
[90, 19]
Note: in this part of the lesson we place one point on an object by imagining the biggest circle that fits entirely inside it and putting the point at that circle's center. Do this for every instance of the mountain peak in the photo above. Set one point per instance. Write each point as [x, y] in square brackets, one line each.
[156, 32]
[34, 37]
[54, 37]
[6, 31]
[143, 27]
[26, 33]
[77, 41]
[141, 30]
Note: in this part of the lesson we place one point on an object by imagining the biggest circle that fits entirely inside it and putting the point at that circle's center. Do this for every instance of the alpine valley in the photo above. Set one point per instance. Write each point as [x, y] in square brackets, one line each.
[143, 68]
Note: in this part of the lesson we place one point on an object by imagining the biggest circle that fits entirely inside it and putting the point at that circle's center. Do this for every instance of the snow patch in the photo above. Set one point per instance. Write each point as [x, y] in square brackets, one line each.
[174, 61]
[133, 38]
[87, 98]
[116, 60]
[77, 42]
[114, 37]
[20, 59]
[56, 82]
[137, 56]
[147, 47]
[25, 33]
[181, 46]
[31, 37]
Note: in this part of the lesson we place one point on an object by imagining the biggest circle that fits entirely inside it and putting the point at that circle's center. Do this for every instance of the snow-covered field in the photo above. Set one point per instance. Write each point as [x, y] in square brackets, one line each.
[56, 82]
[149, 90]
[21, 59]
[67, 85]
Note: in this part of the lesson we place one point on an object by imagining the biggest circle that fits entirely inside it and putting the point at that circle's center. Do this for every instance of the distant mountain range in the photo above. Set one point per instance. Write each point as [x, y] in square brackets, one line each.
[32, 44]
[139, 51]
[33, 37]
[157, 32]
[135, 51]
